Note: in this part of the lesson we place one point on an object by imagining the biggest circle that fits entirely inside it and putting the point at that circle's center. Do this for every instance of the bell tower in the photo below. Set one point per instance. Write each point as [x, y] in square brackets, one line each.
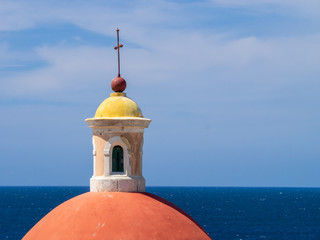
[117, 129]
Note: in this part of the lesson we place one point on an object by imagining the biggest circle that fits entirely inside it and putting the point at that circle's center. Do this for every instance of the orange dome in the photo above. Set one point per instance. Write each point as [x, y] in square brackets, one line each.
[116, 215]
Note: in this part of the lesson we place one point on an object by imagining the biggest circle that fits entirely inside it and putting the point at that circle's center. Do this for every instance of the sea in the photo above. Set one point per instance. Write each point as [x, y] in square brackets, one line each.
[225, 213]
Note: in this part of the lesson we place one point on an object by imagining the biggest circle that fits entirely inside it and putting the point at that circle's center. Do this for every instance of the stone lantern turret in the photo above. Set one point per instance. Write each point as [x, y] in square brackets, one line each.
[117, 128]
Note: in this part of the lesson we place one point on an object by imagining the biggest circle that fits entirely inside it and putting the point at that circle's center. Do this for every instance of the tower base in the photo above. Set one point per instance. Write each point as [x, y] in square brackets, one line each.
[117, 184]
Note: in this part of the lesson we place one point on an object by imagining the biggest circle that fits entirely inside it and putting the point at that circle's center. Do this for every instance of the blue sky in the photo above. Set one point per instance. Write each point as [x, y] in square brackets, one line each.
[232, 88]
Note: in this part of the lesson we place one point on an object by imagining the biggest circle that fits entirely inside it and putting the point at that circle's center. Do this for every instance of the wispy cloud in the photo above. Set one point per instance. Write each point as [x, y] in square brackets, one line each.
[308, 9]
[156, 46]
[74, 67]
[66, 68]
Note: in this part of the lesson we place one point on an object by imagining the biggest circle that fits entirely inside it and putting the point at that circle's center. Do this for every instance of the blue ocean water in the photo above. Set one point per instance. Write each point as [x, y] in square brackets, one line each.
[225, 213]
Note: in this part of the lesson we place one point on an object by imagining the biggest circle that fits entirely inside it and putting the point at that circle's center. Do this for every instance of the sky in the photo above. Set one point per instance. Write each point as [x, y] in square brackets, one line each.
[232, 88]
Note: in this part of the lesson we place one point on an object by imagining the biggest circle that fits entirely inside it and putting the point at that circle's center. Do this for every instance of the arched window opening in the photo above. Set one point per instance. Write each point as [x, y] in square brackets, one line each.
[117, 159]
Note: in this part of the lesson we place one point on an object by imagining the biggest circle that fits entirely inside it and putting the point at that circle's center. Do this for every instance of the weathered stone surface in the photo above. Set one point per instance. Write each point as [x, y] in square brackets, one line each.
[141, 184]
[127, 185]
[103, 185]
[117, 184]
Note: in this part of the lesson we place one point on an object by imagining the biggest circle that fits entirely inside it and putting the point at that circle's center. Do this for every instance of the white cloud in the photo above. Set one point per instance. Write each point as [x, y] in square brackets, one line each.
[67, 68]
[308, 9]
[78, 67]
[165, 53]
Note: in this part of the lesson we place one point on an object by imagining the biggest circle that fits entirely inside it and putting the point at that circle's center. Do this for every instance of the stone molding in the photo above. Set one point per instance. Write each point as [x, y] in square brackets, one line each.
[118, 122]
[117, 184]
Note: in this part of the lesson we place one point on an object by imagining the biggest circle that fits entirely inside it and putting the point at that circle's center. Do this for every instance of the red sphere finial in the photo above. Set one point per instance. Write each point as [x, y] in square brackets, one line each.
[118, 84]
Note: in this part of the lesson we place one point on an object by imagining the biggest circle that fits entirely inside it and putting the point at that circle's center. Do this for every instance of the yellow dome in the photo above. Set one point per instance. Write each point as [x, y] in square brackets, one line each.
[118, 105]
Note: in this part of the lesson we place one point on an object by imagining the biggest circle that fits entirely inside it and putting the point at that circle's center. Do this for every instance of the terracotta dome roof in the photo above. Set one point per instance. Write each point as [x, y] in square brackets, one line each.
[116, 215]
[118, 105]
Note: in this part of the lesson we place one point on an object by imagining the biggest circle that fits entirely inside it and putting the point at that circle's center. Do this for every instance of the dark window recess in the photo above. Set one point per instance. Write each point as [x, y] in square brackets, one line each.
[117, 159]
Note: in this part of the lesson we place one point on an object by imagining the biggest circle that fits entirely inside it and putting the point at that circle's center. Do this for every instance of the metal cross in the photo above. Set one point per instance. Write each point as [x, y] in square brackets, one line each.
[118, 48]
